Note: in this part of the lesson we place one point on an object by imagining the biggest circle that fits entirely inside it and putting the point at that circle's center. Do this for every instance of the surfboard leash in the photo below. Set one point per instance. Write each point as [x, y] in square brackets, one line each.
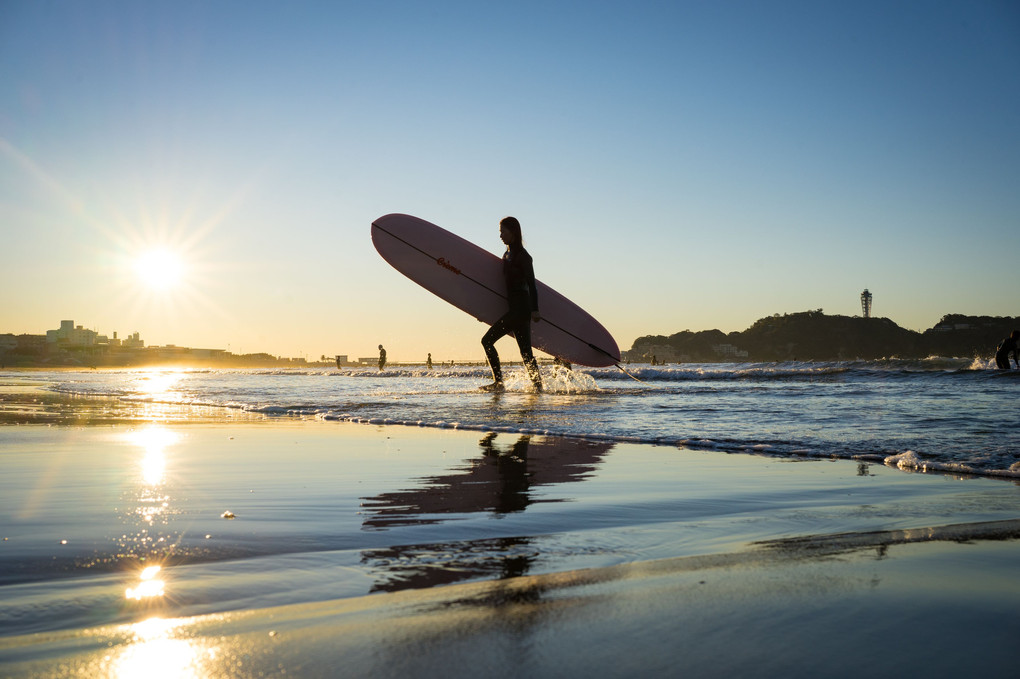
[601, 350]
[633, 377]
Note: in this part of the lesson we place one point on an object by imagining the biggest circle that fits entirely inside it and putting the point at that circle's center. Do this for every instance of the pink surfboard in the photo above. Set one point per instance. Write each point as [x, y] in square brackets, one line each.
[471, 279]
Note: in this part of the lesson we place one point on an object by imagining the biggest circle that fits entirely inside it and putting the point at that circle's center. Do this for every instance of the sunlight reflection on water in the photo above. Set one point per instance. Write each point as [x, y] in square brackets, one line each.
[150, 586]
[149, 494]
[158, 383]
[156, 651]
[154, 440]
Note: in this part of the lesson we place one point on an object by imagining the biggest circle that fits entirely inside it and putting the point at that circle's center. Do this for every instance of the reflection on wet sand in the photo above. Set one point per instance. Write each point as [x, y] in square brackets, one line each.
[501, 481]
[148, 521]
[157, 648]
[428, 565]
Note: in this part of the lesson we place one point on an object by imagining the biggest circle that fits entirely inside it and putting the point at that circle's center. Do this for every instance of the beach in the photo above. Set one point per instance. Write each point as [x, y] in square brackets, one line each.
[269, 546]
[880, 610]
[745, 266]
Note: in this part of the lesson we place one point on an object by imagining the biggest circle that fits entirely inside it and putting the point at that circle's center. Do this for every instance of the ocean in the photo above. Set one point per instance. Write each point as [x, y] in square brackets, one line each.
[131, 493]
[938, 414]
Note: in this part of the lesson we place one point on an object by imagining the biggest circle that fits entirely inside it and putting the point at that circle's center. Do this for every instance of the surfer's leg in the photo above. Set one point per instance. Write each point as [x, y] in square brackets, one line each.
[522, 333]
[498, 329]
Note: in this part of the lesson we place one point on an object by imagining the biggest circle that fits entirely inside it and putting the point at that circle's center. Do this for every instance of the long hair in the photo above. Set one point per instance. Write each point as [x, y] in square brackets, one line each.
[514, 227]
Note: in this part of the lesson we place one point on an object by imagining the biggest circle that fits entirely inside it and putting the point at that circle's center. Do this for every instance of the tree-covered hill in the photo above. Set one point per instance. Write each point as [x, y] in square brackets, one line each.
[812, 335]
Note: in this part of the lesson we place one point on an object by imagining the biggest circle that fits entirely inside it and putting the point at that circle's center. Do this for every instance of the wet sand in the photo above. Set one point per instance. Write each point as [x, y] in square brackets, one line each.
[359, 550]
[937, 605]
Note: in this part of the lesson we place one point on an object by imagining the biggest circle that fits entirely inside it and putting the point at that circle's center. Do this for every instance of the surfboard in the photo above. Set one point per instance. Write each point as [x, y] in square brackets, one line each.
[471, 279]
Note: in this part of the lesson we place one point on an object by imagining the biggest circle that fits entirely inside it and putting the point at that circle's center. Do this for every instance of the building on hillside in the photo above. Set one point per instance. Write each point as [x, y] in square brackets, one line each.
[729, 351]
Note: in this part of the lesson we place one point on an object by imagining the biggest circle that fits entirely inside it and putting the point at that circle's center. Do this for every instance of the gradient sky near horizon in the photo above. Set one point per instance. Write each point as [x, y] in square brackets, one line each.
[675, 165]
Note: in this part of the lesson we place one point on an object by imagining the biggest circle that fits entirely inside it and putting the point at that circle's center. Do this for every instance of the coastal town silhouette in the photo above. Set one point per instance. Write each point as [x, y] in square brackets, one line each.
[808, 336]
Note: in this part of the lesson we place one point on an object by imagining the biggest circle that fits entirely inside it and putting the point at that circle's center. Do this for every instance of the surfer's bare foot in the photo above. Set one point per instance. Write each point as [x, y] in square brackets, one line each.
[494, 387]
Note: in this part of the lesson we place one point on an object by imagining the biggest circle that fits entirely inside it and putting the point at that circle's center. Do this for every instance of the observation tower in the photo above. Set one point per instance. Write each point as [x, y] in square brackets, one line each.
[866, 303]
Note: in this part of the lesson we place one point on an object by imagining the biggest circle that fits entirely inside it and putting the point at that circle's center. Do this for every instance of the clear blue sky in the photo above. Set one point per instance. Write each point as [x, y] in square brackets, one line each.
[675, 165]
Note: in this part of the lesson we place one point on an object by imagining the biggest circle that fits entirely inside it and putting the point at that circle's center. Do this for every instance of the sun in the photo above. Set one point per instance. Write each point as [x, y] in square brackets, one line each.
[160, 269]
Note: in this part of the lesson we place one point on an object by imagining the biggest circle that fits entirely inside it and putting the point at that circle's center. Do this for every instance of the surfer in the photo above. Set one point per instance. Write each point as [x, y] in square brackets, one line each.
[382, 357]
[522, 297]
[1006, 347]
[428, 362]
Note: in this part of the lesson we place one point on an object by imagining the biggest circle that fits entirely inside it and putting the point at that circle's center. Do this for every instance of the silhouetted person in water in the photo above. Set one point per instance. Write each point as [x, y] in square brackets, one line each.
[382, 357]
[1006, 347]
[522, 297]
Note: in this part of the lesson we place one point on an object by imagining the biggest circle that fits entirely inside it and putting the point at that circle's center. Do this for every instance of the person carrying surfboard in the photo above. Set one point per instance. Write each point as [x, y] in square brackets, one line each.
[522, 298]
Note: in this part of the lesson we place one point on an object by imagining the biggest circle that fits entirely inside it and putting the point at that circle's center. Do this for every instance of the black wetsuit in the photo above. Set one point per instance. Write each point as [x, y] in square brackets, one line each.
[1006, 347]
[522, 296]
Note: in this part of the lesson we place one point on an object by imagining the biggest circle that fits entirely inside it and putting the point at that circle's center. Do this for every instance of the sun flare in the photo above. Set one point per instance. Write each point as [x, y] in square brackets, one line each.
[160, 269]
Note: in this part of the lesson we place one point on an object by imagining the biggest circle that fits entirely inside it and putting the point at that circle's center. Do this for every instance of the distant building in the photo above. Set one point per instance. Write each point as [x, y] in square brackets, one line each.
[31, 341]
[133, 341]
[71, 335]
[729, 350]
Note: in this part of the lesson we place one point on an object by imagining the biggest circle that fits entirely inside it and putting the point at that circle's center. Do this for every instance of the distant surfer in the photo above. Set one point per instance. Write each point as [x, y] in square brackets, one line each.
[382, 357]
[1006, 347]
[522, 297]
[428, 362]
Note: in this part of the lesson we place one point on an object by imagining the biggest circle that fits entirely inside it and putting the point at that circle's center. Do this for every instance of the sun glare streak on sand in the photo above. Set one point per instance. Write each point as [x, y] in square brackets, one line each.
[153, 466]
[157, 652]
[153, 502]
[154, 441]
[153, 437]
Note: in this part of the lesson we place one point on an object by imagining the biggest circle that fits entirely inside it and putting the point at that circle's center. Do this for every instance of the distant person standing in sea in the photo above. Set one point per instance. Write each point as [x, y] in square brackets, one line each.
[522, 298]
[382, 357]
[428, 362]
[1006, 347]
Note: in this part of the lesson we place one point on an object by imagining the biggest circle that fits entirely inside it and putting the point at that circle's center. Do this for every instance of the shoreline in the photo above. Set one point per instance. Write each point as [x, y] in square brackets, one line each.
[28, 404]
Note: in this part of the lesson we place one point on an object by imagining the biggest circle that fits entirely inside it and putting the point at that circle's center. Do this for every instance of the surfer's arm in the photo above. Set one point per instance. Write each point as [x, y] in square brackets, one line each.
[532, 288]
